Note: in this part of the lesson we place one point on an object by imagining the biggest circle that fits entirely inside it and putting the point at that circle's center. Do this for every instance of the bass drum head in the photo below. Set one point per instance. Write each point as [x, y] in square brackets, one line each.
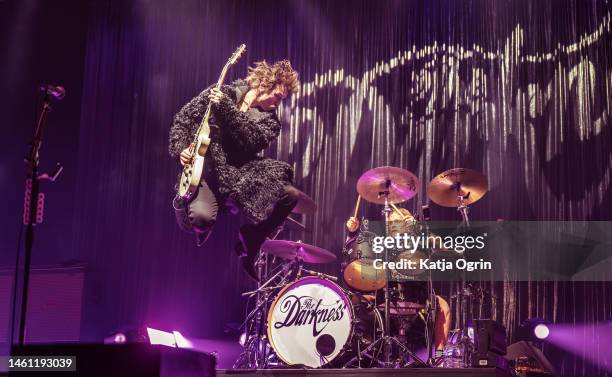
[310, 322]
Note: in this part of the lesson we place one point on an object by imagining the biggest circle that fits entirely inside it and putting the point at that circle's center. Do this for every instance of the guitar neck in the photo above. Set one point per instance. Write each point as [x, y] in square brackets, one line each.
[203, 128]
[204, 123]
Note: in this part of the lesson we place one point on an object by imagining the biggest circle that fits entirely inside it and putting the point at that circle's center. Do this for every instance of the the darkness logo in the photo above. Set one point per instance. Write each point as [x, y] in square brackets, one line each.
[306, 310]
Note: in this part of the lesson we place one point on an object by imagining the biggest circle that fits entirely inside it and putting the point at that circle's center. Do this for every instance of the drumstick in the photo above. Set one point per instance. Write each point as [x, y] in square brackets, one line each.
[357, 206]
[398, 211]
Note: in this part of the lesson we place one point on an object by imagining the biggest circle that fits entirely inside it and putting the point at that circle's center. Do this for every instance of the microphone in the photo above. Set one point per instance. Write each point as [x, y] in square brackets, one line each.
[57, 92]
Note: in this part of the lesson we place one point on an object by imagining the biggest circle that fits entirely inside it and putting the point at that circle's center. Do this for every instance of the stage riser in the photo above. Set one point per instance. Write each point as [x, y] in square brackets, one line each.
[407, 372]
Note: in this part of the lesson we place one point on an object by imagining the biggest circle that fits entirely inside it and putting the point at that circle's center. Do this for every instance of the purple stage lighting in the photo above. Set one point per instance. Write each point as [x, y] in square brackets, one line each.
[534, 330]
[161, 337]
[541, 331]
[119, 338]
[589, 341]
[243, 339]
[181, 341]
[170, 339]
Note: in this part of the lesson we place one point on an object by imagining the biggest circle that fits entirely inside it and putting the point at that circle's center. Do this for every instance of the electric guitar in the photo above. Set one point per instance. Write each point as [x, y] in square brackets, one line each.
[192, 171]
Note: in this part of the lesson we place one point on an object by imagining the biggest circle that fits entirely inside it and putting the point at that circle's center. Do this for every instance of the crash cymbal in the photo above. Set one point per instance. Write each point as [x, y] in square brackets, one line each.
[305, 204]
[447, 186]
[400, 183]
[290, 250]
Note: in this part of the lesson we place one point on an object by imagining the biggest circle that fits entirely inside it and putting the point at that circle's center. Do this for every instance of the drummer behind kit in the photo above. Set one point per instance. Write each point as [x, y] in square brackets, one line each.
[305, 318]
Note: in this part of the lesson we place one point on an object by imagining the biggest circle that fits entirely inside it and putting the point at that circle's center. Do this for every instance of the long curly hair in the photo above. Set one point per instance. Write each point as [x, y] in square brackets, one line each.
[265, 76]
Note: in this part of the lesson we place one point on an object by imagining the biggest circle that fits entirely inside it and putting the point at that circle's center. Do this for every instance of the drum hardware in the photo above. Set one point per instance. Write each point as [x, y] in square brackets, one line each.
[458, 188]
[461, 340]
[258, 352]
[318, 274]
[462, 337]
[432, 303]
[284, 272]
[256, 349]
[368, 336]
[387, 185]
[463, 210]
[318, 315]
[286, 268]
[401, 307]
[290, 250]
[400, 184]
[359, 272]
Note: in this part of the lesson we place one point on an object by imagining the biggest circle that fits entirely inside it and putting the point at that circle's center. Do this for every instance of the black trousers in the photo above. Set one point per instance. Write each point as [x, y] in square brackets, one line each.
[200, 213]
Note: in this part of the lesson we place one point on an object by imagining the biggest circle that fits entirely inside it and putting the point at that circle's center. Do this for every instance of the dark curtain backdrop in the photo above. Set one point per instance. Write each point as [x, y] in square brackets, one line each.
[520, 91]
[41, 42]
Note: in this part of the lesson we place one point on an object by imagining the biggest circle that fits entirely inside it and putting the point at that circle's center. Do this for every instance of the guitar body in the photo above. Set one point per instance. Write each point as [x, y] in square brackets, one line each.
[192, 171]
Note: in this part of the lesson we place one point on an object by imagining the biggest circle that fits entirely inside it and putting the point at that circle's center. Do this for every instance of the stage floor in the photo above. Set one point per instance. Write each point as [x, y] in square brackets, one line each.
[404, 372]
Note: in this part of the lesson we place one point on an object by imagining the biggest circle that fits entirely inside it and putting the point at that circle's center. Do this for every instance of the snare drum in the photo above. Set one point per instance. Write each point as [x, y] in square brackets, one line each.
[312, 322]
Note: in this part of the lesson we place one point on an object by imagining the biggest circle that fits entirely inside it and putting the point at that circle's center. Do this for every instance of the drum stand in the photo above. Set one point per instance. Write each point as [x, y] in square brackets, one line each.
[465, 296]
[256, 348]
[386, 340]
[430, 320]
[463, 210]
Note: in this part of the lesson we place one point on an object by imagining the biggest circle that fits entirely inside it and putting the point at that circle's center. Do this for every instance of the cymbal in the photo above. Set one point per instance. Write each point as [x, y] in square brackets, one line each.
[401, 184]
[305, 204]
[445, 187]
[290, 250]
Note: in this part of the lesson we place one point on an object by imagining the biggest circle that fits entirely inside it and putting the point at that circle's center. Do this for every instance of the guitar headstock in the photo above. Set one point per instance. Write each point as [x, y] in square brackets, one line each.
[231, 61]
[237, 54]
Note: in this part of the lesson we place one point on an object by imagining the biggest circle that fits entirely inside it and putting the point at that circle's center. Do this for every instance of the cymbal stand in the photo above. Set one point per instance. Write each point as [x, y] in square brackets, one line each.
[465, 305]
[386, 339]
[256, 347]
[463, 209]
[432, 304]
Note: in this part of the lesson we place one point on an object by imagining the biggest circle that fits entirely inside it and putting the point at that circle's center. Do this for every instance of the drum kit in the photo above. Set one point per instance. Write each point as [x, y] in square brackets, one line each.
[309, 319]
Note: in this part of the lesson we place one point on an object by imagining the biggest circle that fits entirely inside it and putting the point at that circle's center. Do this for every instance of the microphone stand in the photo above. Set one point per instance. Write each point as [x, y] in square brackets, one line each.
[32, 213]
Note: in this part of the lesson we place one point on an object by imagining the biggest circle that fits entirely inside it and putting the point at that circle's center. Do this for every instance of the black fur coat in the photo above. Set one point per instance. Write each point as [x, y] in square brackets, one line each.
[254, 182]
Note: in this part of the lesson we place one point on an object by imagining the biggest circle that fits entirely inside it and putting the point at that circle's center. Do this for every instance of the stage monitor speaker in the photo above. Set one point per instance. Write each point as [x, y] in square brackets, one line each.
[532, 360]
[490, 344]
[126, 360]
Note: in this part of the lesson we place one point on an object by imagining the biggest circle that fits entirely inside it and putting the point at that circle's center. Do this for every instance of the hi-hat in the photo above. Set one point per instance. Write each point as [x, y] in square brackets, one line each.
[291, 250]
[400, 184]
[305, 204]
[446, 187]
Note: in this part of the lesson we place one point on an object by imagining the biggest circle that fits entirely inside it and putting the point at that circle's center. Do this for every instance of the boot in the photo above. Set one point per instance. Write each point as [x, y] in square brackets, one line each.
[251, 241]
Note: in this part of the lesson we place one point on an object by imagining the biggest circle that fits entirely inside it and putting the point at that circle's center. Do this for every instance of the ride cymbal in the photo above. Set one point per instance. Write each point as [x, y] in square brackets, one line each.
[445, 188]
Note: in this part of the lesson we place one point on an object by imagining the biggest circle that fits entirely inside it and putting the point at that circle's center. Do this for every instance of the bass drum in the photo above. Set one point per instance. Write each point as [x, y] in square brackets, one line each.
[359, 272]
[312, 322]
